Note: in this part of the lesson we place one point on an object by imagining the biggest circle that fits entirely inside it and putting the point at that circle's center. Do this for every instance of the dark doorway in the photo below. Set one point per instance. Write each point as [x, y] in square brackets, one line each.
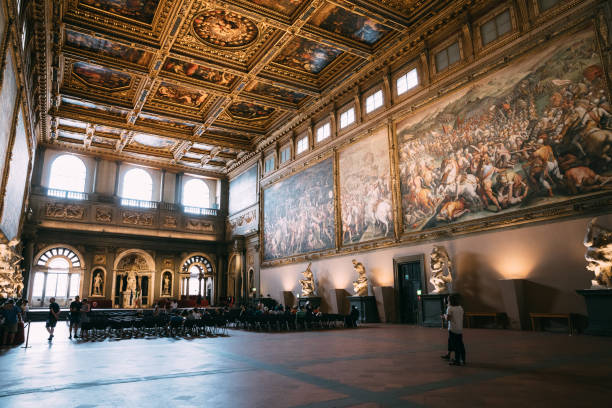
[408, 287]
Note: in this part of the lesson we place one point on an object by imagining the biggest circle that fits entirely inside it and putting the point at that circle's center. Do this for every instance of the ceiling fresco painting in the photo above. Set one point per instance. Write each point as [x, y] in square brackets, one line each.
[180, 95]
[306, 55]
[271, 91]
[249, 111]
[139, 10]
[286, 7]
[199, 72]
[101, 77]
[220, 28]
[155, 142]
[72, 123]
[343, 22]
[223, 74]
[106, 48]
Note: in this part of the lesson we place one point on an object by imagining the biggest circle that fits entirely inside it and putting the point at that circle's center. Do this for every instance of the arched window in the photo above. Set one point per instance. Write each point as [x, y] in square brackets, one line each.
[200, 275]
[58, 275]
[196, 194]
[137, 185]
[68, 173]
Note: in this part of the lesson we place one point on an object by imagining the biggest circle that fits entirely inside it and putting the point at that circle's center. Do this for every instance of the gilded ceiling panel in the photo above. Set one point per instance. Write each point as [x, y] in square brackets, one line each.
[224, 29]
[91, 108]
[348, 24]
[100, 77]
[99, 47]
[284, 7]
[154, 142]
[249, 111]
[274, 92]
[139, 10]
[306, 55]
[194, 72]
[181, 96]
[163, 122]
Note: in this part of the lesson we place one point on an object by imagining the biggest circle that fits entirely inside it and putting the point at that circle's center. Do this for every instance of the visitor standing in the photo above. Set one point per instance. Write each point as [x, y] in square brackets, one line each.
[54, 311]
[454, 317]
[75, 317]
[11, 315]
[85, 308]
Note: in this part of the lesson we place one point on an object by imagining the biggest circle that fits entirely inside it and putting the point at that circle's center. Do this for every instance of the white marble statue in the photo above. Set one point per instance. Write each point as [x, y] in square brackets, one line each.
[97, 284]
[440, 263]
[308, 283]
[598, 241]
[131, 294]
[360, 286]
[166, 289]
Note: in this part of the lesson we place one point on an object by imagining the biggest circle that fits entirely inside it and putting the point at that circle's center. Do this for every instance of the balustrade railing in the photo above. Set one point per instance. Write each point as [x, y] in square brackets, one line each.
[201, 211]
[72, 195]
[130, 202]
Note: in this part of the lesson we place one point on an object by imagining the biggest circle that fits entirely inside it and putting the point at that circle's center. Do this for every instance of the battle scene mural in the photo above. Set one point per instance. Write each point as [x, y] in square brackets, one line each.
[106, 48]
[140, 10]
[365, 190]
[198, 72]
[181, 95]
[249, 111]
[101, 77]
[266, 90]
[299, 213]
[341, 21]
[537, 132]
[221, 28]
[286, 7]
[243, 190]
[307, 55]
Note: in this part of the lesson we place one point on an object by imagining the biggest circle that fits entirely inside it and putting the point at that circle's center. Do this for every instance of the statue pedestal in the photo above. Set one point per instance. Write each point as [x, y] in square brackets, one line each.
[432, 306]
[368, 312]
[315, 301]
[599, 309]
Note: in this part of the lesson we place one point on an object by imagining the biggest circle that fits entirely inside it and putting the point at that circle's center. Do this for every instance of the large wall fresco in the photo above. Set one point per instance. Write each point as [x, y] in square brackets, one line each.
[365, 190]
[243, 191]
[299, 213]
[8, 94]
[14, 195]
[341, 21]
[535, 133]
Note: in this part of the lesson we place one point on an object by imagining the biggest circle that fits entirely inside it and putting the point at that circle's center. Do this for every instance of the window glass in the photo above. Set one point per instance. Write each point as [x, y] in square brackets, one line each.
[58, 263]
[347, 117]
[269, 165]
[137, 185]
[323, 132]
[286, 154]
[302, 145]
[68, 173]
[196, 194]
[75, 279]
[39, 282]
[374, 101]
[407, 81]
[447, 57]
[496, 27]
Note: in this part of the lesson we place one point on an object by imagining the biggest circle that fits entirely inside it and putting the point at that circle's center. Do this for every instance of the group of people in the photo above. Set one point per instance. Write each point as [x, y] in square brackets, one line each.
[12, 313]
[79, 314]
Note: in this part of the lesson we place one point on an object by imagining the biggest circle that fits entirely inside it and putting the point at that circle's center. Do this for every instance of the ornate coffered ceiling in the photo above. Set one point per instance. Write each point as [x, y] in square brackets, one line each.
[197, 84]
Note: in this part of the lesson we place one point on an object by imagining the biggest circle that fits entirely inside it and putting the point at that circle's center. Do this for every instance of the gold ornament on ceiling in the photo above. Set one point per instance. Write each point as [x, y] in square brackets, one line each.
[223, 29]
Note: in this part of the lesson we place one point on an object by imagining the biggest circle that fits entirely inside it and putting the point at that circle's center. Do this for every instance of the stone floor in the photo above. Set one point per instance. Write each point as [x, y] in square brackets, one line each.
[373, 366]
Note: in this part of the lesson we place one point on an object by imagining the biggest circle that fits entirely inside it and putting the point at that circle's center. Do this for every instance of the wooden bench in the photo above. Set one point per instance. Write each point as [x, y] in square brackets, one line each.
[498, 317]
[569, 317]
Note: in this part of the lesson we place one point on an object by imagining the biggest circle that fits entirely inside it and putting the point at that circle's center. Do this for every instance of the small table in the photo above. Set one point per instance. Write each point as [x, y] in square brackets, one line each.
[498, 317]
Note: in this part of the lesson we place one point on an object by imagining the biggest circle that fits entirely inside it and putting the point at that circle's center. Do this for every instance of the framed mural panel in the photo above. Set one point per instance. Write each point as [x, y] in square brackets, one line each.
[299, 214]
[366, 209]
[8, 97]
[243, 190]
[534, 134]
[16, 180]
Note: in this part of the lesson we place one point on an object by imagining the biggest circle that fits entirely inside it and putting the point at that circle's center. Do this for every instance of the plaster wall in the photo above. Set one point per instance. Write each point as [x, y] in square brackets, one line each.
[549, 256]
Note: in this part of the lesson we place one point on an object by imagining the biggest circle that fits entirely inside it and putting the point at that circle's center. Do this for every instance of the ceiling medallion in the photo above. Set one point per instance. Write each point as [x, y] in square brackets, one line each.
[224, 29]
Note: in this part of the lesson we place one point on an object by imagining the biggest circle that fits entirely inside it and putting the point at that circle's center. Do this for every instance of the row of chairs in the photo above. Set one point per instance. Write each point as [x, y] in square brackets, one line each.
[289, 321]
[102, 326]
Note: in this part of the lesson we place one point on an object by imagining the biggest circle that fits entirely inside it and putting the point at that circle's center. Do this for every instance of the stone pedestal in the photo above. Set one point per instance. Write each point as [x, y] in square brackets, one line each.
[385, 303]
[288, 298]
[432, 306]
[315, 301]
[368, 312]
[599, 309]
[341, 302]
[515, 304]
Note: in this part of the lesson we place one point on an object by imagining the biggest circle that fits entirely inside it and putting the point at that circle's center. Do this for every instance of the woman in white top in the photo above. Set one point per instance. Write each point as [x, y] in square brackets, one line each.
[454, 317]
